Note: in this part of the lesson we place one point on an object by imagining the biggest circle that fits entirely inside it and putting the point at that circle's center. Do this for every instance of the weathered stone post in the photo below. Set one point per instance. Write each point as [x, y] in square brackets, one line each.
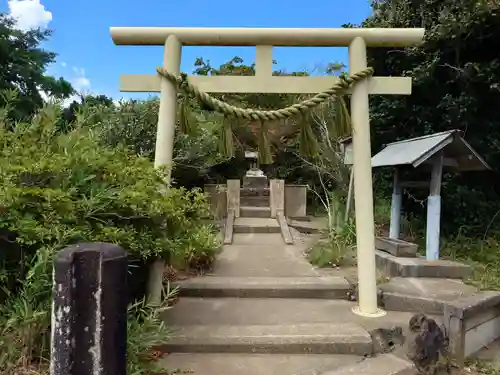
[89, 310]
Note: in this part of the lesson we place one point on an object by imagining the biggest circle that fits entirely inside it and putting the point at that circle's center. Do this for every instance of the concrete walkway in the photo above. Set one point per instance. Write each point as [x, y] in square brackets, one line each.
[266, 311]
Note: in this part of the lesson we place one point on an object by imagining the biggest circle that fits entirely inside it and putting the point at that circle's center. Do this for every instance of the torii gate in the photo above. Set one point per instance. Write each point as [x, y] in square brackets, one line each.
[357, 39]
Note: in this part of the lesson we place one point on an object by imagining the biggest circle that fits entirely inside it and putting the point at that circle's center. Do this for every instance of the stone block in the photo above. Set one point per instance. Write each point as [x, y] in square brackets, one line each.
[296, 201]
[277, 196]
[393, 266]
[307, 227]
[233, 196]
[423, 295]
[228, 228]
[396, 247]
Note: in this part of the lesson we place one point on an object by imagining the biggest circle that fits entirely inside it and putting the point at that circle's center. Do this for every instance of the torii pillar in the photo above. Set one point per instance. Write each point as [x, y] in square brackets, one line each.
[357, 39]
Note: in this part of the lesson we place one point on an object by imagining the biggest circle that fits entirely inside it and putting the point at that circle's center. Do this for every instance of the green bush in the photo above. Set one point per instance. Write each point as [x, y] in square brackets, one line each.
[336, 245]
[134, 123]
[62, 188]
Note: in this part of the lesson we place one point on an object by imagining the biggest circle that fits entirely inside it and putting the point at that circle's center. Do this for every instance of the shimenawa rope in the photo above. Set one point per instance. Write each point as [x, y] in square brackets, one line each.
[188, 88]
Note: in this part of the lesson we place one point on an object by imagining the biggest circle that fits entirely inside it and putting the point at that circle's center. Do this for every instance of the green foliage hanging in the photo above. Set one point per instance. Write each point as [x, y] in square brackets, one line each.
[342, 126]
[226, 143]
[308, 143]
[185, 121]
[265, 156]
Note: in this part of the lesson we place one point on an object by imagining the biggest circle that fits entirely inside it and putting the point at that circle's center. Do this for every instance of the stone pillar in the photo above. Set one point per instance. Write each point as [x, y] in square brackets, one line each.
[233, 196]
[167, 111]
[164, 146]
[363, 185]
[89, 310]
[277, 196]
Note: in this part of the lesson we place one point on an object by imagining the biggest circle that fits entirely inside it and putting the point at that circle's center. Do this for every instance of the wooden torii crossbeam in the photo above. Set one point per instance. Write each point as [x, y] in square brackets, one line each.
[357, 39]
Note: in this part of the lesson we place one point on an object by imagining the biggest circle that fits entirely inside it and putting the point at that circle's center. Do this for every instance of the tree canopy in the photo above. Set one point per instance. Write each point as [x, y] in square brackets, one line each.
[23, 65]
[456, 85]
[455, 72]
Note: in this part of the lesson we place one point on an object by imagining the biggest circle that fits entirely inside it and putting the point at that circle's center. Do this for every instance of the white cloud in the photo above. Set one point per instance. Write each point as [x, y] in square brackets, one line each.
[81, 83]
[76, 76]
[29, 14]
[78, 71]
[73, 98]
[32, 14]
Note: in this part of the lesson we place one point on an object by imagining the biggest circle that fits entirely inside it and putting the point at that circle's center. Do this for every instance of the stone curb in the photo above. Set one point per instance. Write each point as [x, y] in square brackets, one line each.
[418, 267]
[265, 287]
[256, 225]
[399, 302]
[320, 338]
[259, 212]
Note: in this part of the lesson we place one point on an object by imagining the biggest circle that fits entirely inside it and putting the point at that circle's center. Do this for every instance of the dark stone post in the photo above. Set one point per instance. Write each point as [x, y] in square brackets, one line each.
[89, 310]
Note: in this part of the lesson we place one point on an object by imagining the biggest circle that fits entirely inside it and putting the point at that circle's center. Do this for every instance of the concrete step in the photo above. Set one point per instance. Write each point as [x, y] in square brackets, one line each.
[256, 364]
[263, 255]
[426, 295]
[254, 201]
[256, 225]
[386, 364]
[255, 182]
[396, 247]
[327, 287]
[315, 338]
[249, 211]
[274, 311]
[254, 192]
[308, 227]
[393, 266]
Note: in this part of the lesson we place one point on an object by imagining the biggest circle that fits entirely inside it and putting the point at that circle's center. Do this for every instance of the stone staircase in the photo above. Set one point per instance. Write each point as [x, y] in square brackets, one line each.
[265, 310]
[254, 212]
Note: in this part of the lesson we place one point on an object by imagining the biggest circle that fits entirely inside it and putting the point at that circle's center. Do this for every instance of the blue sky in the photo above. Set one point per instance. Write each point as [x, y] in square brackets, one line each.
[88, 58]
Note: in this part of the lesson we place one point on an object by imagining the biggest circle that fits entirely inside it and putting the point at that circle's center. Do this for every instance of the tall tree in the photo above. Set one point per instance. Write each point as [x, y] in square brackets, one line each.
[23, 64]
[456, 85]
